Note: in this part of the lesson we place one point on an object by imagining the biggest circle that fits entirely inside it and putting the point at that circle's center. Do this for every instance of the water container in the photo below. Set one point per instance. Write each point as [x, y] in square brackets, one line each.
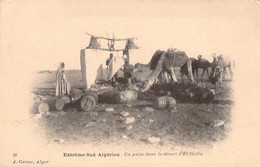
[40, 107]
[126, 96]
[62, 103]
[164, 102]
[88, 102]
[45, 106]
[107, 97]
[76, 94]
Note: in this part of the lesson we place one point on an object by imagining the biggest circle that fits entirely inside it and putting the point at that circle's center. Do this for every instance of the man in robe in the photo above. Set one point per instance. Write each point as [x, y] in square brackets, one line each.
[109, 59]
[114, 78]
[216, 76]
[62, 83]
[200, 58]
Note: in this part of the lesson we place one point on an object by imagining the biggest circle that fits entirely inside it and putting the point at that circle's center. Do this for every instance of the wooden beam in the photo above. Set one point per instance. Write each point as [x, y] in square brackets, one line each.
[112, 39]
[116, 50]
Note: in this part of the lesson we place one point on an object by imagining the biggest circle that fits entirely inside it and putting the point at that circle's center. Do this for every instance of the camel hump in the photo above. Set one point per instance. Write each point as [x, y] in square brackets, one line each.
[181, 55]
[178, 52]
[203, 61]
[178, 58]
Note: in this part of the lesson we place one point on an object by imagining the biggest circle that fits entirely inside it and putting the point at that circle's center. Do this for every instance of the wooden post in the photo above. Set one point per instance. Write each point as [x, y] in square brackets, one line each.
[83, 68]
[126, 52]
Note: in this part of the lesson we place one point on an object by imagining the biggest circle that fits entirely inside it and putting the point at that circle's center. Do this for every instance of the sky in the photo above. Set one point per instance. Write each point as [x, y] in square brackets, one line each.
[41, 34]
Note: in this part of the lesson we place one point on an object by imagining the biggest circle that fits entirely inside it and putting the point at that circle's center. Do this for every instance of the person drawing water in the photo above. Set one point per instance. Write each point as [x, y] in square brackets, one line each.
[109, 59]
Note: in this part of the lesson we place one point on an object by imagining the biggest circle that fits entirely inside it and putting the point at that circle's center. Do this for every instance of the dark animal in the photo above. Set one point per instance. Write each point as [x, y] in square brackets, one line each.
[201, 63]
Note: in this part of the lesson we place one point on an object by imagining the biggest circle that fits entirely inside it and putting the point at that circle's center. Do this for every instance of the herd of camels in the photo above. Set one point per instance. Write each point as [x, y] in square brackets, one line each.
[165, 62]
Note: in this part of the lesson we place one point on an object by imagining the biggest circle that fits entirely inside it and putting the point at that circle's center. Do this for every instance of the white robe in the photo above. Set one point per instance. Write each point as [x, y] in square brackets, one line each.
[93, 66]
[62, 83]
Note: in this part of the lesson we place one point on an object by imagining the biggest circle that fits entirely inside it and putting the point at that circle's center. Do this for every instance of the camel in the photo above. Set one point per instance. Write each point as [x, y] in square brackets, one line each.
[226, 63]
[219, 69]
[204, 64]
[166, 61]
[200, 63]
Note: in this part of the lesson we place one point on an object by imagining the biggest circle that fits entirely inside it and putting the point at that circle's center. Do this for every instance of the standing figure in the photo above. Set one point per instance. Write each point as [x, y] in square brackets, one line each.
[109, 59]
[114, 78]
[199, 57]
[62, 83]
[216, 76]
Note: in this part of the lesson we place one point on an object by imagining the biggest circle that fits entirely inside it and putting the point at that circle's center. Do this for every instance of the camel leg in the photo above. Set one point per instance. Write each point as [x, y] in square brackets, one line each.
[202, 74]
[173, 75]
[221, 78]
[193, 71]
[167, 77]
[197, 73]
[232, 66]
[182, 78]
[231, 74]
[190, 76]
[224, 73]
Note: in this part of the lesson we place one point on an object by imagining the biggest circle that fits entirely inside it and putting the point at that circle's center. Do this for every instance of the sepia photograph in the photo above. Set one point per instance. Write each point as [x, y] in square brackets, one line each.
[129, 83]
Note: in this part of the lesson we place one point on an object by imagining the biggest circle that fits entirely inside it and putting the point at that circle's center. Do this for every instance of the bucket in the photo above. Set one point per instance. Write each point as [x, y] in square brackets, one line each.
[164, 102]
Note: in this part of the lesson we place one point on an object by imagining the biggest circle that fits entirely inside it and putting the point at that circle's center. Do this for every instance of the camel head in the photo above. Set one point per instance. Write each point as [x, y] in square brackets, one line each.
[137, 65]
[214, 55]
[220, 57]
[214, 62]
[215, 58]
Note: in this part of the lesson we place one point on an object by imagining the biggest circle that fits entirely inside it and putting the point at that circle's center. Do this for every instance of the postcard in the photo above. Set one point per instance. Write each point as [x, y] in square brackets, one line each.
[129, 83]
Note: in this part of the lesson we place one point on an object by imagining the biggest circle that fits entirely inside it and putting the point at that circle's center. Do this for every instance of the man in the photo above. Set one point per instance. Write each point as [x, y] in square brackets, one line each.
[62, 83]
[128, 75]
[114, 78]
[109, 59]
[216, 76]
[199, 57]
